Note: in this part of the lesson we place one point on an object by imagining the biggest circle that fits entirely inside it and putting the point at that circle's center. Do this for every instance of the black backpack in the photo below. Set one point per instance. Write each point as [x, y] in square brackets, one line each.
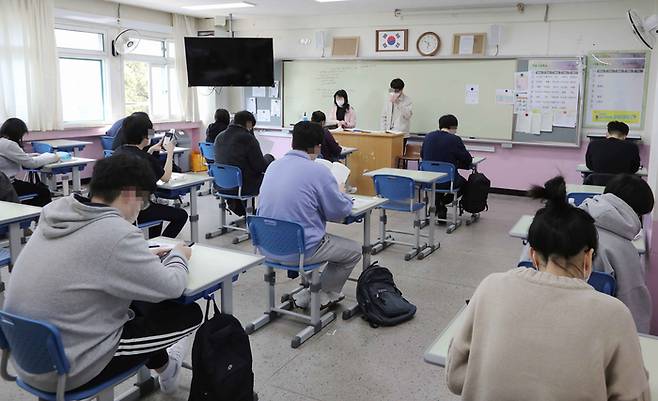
[380, 301]
[476, 191]
[221, 361]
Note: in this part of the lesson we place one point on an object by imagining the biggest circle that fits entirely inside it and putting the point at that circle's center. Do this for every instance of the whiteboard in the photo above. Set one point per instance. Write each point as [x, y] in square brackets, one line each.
[616, 83]
[436, 87]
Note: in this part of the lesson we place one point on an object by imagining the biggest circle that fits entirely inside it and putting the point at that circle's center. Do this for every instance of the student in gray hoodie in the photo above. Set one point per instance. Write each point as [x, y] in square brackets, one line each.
[89, 271]
[617, 216]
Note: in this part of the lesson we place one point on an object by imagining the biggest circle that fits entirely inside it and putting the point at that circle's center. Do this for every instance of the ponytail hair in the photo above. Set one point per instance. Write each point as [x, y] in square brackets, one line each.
[560, 230]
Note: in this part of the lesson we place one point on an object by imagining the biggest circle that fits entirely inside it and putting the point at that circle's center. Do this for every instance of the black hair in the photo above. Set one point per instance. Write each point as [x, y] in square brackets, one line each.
[618, 126]
[135, 128]
[633, 190]
[397, 83]
[448, 121]
[318, 117]
[342, 93]
[121, 172]
[14, 129]
[243, 117]
[222, 116]
[559, 230]
[306, 135]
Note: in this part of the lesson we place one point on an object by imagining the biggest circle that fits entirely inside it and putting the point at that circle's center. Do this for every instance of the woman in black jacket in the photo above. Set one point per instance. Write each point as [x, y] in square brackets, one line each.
[222, 119]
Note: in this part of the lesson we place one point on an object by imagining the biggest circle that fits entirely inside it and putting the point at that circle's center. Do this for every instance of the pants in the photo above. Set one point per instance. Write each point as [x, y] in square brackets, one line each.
[342, 254]
[24, 188]
[146, 337]
[177, 217]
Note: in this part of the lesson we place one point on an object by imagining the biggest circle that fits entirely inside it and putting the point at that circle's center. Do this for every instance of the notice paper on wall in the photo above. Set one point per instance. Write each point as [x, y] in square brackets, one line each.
[521, 81]
[466, 43]
[504, 96]
[263, 116]
[523, 122]
[565, 118]
[275, 108]
[472, 94]
[554, 84]
[259, 91]
[274, 90]
[535, 122]
[547, 121]
[251, 105]
[520, 102]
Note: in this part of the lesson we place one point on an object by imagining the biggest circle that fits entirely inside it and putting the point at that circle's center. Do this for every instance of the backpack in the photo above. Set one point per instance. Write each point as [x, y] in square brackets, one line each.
[380, 301]
[221, 360]
[476, 191]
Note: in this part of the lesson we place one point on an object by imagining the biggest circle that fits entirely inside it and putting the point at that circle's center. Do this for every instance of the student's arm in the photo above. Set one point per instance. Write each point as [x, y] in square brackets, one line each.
[255, 155]
[459, 351]
[334, 204]
[463, 155]
[169, 162]
[635, 162]
[14, 153]
[350, 118]
[134, 273]
[588, 157]
[625, 376]
[334, 148]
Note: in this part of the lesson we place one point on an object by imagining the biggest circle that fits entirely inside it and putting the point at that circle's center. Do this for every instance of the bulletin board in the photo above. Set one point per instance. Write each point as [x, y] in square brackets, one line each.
[263, 98]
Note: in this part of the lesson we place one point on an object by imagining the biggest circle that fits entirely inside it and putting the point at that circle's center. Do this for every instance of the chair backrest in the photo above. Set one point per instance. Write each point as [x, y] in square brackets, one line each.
[412, 149]
[107, 153]
[579, 197]
[40, 147]
[35, 346]
[600, 179]
[207, 151]
[106, 142]
[603, 282]
[396, 189]
[440, 167]
[277, 237]
[225, 176]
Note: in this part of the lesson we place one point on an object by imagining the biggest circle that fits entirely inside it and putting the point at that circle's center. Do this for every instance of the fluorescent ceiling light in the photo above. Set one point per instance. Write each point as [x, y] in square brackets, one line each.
[219, 6]
[329, 1]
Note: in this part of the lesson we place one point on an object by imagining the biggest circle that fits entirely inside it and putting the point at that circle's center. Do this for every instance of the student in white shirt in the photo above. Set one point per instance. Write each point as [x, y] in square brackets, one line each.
[397, 112]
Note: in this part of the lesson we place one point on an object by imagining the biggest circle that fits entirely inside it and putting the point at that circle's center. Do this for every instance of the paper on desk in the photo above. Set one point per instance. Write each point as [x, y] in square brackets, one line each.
[565, 118]
[263, 116]
[466, 43]
[259, 91]
[504, 96]
[547, 121]
[251, 105]
[472, 94]
[535, 122]
[523, 122]
[275, 108]
[274, 90]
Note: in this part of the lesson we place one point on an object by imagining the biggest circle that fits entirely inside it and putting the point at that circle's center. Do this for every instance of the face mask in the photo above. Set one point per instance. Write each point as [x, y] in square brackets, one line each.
[340, 102]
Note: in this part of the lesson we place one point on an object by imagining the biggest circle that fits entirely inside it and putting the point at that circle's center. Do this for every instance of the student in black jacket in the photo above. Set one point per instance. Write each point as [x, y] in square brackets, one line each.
[330, 149]
[222, 120]
[237, 146]
[613, 155]
[445, 146]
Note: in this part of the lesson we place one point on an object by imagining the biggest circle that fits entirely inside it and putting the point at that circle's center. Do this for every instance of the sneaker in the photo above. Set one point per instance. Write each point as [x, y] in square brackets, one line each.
[329, 298]
[302, 299]
[177, 352]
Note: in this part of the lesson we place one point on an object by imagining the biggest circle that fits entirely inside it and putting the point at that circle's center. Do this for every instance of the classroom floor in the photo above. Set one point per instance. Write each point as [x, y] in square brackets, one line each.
[349, 360]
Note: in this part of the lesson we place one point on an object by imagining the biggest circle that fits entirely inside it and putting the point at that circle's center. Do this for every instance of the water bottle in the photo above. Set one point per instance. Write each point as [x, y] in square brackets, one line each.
[304, 117]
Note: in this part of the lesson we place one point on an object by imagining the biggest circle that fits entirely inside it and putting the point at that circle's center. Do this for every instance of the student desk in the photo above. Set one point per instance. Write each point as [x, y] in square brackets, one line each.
[419, 177]
[66, 145]
[346, 152]
[520, 230]
[376, 150]
[476, 162]
[75, 165]
[211, 269]
[587, 189]
[11, 216]
[582, 168]
[181, 184]
[437, 353]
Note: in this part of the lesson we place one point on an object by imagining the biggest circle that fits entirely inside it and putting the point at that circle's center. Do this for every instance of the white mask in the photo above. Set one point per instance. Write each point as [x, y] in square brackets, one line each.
[340, 102]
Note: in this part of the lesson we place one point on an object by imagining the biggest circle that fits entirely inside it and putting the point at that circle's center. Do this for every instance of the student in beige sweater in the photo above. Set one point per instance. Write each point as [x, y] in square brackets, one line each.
[546, 334]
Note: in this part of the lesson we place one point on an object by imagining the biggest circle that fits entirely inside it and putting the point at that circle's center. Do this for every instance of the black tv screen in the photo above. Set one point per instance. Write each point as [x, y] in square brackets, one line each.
[229, 61]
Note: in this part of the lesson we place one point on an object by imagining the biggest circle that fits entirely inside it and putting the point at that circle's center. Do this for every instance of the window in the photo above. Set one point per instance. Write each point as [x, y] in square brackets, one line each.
[82, 76]
[150, 83]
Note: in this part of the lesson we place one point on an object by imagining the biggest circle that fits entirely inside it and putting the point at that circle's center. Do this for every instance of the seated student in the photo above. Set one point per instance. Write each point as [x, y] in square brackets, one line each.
[616, 215]
[311, 199]
[13, 158]
[237, 146]
[613, 155]
[88, 271]
[222, 120]
[546, 334]
[136, 134]
[330, 149]
[117, 132]
[342, 111]
[445, 146]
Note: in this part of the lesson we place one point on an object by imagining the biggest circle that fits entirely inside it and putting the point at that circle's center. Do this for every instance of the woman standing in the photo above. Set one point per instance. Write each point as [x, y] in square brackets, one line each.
[342, 112]
[13, 158]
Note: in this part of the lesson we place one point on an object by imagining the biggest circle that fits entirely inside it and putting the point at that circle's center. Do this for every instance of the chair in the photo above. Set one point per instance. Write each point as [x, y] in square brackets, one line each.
[600, 179]
[41, 147]
[36, 347]
[283, 238]
[229, 178]
[107, 153]
[146, 225]
[208, 152]
[601, 281]
[411, 153]
[451, 171]
[576, 198]
[401, 195]
[106, 142]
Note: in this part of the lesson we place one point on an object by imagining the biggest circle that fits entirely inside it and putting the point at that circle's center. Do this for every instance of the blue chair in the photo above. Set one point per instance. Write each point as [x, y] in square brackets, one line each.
[576, 198]
[106, 142]
[283, 238]
[107, 153]
[601, 281]
[401, 195]
[208, 152]
[451, 171]
[229, 178]
[36, 347]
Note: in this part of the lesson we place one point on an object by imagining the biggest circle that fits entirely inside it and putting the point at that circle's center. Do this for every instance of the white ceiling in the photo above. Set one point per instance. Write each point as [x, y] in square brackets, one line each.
[311, 7]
